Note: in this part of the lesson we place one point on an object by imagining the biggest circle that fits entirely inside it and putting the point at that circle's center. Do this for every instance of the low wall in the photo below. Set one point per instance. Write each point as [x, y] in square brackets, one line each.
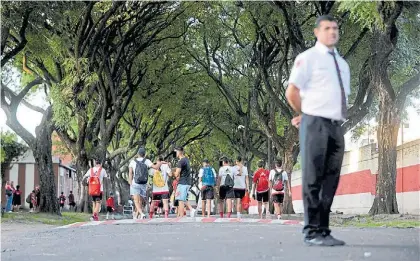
[356, 191]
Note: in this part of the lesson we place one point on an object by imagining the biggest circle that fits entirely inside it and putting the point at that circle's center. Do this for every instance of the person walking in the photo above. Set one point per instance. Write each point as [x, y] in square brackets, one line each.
[138, 175]
[207, 176]
[183, 174]
[95, 176]
[241, 186]
[318, 88]
[278, 182]
[72, 203]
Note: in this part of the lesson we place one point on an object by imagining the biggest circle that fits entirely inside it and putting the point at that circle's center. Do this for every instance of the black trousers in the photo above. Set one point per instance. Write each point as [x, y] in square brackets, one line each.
[322, 151]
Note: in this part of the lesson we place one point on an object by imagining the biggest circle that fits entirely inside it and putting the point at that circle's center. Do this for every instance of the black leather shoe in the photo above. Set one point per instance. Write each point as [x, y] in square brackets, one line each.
[332, 241]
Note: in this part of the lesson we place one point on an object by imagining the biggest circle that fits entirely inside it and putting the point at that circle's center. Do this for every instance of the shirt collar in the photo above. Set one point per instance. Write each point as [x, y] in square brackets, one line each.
[323, 48]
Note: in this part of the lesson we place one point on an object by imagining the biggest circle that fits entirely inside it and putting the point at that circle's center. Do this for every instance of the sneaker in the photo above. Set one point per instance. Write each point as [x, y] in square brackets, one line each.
[92, 218]
[238, 216]
[332, 241]
[278, 217]
[142, 216]
[320, 240]
[192, 212]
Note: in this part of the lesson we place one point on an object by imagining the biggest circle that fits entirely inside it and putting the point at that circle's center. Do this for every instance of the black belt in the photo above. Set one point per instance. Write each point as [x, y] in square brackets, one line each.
[333, 122]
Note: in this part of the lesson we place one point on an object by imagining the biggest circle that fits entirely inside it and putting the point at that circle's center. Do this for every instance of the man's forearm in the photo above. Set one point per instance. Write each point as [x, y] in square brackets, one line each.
[294, 99]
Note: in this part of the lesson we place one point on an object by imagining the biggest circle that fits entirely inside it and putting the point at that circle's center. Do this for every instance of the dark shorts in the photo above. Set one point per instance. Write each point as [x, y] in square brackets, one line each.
[278, 198]
[239, 193]
[226, 193]
[158, 197]
[109, 209]
[207, 193]
[61, 205]
[176, 203]
[97, 198]
[72, 204]
[262, 197]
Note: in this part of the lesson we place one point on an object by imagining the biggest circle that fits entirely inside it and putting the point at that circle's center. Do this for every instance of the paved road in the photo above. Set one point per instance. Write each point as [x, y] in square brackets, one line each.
[207, 242]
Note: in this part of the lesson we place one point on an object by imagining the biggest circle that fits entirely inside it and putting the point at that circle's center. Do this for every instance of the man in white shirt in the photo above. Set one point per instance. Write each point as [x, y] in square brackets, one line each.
[278, 181]
[207, 176]
[318, 88]
[241, 181]
[137, 190]
[225, 184]
[160, 187]
[97, 170]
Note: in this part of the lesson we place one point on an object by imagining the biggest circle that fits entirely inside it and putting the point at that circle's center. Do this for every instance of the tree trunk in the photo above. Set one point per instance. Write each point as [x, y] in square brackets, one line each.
[43, 160]
[82, 190]
[289, 161]
[385, 201]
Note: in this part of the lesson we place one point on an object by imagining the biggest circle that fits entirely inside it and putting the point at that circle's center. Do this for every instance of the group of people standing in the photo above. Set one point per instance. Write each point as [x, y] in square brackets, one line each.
[231, 183]
[14, 198]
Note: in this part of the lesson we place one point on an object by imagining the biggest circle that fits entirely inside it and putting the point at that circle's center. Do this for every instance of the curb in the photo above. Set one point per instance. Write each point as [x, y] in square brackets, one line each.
[183, 220]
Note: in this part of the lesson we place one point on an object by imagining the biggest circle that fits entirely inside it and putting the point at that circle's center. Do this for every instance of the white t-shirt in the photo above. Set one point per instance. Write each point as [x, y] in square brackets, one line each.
[314, 73]
[284, 179]
[201, 173]
[240, 180]
[101, 175]
[166, 171]
[133, 165]
[223, 171]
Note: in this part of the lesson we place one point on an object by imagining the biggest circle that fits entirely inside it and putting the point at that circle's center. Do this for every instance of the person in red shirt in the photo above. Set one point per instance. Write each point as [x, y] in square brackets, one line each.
[261, 184]
[110, 206]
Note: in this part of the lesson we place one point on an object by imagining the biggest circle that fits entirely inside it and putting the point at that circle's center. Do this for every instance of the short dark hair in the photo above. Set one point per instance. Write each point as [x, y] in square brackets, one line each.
[225, 160]
[62, 192]
[17, 187]
[71, 191]
[278, 163]
[322, 18]
[160, 158]
[239, 159]
[261, 164]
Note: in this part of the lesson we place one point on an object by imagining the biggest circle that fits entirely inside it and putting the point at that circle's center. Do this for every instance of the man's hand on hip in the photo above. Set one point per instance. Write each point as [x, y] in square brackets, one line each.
[296, 121]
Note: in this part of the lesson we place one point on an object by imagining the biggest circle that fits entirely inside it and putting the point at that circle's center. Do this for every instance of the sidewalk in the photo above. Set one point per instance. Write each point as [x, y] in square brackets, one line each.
[185, 220]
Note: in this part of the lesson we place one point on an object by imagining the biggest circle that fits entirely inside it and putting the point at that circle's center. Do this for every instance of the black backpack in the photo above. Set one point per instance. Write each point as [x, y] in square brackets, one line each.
[229, 180]
[141, 174]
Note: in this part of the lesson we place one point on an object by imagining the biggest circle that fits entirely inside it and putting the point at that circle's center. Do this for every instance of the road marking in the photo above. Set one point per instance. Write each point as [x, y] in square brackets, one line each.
[186, 220]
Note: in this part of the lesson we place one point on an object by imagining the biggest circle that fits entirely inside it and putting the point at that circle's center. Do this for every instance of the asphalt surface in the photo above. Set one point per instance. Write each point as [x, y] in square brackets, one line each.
[198, 241]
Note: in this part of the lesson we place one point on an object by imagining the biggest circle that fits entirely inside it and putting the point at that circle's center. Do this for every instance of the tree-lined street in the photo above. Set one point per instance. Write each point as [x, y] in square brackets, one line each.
[197, 241]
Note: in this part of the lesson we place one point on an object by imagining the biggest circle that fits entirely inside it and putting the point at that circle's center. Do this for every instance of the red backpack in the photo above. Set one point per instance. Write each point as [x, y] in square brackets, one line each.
[263, 181]
[278, 181]
[95, 182]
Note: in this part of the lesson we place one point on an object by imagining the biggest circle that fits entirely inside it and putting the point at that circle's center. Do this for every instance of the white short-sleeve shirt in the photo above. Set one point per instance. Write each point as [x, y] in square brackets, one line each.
[165, 170]
[223, 171]
[101, 175]
[283, 177]
[240, 179]
[133, 165]
[314, 73]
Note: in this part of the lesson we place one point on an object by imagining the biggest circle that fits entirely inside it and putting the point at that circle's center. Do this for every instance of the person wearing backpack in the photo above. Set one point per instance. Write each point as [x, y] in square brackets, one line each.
[207, 176]
[241, 184]
[138, 176]
[261, 185]
[278, 181]
[160, 191]
[95, 177]
[61, 201]
[226, 184]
